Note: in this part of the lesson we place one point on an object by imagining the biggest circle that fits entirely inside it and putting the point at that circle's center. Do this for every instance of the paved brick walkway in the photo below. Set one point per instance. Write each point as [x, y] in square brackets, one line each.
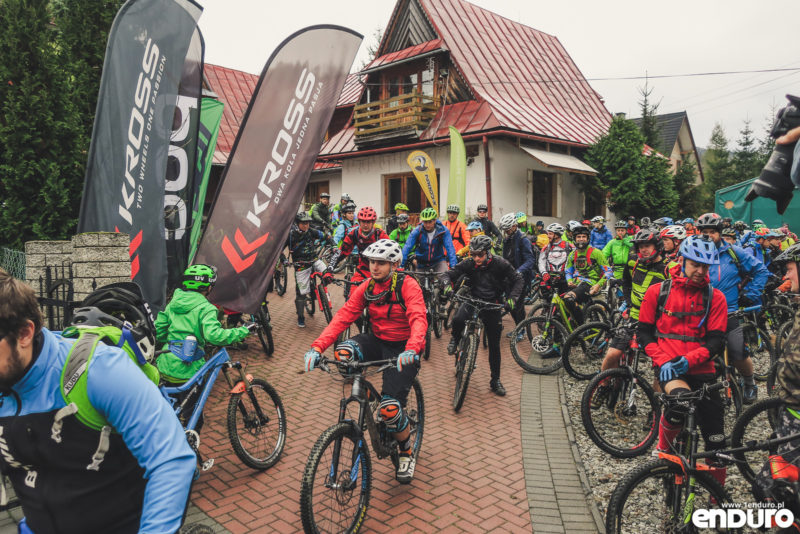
[500, 465]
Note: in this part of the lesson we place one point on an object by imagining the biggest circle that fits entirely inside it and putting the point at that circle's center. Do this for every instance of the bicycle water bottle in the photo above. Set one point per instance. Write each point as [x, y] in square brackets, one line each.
[189, 347]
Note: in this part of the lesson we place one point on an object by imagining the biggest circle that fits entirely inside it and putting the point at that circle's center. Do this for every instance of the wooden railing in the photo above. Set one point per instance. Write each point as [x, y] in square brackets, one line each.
[412, 111]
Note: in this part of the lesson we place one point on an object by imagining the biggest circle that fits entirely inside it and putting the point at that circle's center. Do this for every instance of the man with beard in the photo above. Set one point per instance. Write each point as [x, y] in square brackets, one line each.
[69, 477]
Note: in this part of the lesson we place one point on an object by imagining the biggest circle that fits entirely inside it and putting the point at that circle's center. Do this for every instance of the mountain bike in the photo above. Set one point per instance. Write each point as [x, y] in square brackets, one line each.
[545, 329]
[663, 494]
[256, 420]
[362, 325]
[619, 409]
[757, 343]
[780, 340]
[467, 350]
[319, 291]
[263, 328]
[337, 480]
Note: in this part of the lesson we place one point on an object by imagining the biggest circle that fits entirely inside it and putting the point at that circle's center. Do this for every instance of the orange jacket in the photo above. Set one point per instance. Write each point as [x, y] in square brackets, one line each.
[459, 232]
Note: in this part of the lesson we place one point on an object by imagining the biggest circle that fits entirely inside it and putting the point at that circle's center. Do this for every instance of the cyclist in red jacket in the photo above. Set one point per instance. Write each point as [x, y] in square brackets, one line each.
[682, 324]
[397, 316]
[361, 237]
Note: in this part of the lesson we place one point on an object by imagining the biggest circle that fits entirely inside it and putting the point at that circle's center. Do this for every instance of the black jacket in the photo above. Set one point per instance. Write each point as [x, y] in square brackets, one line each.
[494, 281]
[489, 228]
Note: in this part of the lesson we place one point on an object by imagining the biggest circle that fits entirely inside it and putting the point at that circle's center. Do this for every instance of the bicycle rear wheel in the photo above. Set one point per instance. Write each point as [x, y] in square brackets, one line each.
[758, 346]
[436, 314]
[585, 348]
[655, 497]
[467, 352]
[335, 490]
[325, 304]
[257, 425]
[620, 412]
[540, 351]
[758, 422]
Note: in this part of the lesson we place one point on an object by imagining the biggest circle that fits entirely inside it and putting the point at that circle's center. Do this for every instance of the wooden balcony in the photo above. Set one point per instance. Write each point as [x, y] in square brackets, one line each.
[394, 119]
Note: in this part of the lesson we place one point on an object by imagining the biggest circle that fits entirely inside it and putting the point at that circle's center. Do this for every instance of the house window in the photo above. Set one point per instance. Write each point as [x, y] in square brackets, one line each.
[427, 80]
[313, 191]
[544, 194]
[406, 189]
[593, 202]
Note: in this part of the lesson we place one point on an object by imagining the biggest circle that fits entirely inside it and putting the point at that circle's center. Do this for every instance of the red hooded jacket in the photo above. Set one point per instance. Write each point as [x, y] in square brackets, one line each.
[389, 321]
[683, 297]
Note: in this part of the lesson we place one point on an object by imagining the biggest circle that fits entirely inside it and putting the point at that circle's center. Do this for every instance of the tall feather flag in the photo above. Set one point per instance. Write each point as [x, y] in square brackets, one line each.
[457, 185]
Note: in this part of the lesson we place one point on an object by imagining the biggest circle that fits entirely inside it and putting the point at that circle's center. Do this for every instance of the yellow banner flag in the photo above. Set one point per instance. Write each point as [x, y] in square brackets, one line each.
[423, 168]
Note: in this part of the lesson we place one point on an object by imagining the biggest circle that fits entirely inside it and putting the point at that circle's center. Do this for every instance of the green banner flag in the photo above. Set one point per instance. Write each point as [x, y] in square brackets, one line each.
[457, 186]
[210, 117]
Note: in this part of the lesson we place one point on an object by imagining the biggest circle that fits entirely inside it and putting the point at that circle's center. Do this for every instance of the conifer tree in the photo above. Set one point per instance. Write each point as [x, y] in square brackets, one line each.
[747, 160]
[649, 124]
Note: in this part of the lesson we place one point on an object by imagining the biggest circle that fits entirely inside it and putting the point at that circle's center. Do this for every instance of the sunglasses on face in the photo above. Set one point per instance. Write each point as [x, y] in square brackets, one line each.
[477, 254]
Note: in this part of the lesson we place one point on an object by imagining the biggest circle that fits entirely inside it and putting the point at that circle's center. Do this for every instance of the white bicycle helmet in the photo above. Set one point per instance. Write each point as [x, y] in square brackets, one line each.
[384, 249]
[572, 225]
[507, 221]
[674, 231]
[555, 228]
[598, 219]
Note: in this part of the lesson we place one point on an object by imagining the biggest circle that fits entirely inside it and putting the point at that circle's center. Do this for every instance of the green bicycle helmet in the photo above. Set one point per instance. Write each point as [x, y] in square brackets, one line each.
[199, 277]
[401, 206]
[521, 217]
[428, 214]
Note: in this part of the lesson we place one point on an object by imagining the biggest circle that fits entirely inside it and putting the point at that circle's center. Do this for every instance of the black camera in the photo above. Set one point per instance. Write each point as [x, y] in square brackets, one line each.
[774, 181]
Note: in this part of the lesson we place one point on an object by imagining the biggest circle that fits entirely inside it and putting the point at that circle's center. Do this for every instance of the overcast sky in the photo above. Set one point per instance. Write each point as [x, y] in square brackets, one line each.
[605, 39]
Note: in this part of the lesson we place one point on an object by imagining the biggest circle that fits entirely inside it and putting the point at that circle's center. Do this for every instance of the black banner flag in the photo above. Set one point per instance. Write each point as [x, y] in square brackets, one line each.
[179, 183]
[124, 189]
[272, 159]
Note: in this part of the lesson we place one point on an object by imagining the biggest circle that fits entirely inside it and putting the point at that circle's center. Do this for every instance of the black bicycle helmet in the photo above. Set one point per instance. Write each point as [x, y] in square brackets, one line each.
[480, 243]
[729, 232]
[580, 230]
[123, 300]
[141, 340]
[621, 224]
[483, 207]
[790, 254]
[709, 220]
[646, 235]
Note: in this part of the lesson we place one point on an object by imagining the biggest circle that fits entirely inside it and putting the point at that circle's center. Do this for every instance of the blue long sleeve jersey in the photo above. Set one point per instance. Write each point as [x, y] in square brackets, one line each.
[143, 419]
[726, 276]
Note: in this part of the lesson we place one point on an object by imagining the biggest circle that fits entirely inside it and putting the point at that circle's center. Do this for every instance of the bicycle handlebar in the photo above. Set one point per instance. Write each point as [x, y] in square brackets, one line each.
[477, 302]
[696, 395]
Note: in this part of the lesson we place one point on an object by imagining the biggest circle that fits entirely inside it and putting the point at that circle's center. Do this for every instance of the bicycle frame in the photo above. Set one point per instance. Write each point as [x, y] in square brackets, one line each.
[209, 372]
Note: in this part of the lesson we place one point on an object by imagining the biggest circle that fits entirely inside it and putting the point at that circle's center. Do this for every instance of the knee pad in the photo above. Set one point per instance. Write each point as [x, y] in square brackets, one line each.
[675, 415]
[393, 414]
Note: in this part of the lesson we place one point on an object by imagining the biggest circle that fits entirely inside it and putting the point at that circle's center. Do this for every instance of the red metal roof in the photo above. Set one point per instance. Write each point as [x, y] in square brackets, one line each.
[326, 165]
[234, 89]
[526, 76]
[351, 92]
[406, 53]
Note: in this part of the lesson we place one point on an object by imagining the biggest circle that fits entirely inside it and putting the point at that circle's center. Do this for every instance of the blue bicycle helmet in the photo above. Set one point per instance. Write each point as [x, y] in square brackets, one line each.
[687, 220]
[700, 249]
[475, 225]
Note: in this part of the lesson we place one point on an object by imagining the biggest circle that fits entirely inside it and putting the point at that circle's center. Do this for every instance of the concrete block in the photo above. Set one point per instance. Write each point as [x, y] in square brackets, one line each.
[113, 239]
[34, 260]
[115, 269]
[44, 247]
[88, 239]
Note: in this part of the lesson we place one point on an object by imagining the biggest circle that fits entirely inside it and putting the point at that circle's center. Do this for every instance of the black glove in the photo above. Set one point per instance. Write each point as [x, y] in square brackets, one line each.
[745, 301]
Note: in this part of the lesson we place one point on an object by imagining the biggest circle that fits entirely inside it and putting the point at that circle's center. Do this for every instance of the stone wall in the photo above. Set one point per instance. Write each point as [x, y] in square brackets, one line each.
[97, 259]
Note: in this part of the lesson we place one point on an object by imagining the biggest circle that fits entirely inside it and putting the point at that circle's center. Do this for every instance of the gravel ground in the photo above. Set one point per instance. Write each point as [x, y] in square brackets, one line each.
[604, 471]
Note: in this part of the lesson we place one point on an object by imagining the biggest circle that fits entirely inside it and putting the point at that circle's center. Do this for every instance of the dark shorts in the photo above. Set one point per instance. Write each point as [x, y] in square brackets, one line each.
[582, 292]
[623, 335]
[396, 383]
[734, 340]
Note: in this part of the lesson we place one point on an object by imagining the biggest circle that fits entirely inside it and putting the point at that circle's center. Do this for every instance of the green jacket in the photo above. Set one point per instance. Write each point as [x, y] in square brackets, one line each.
[616, 252]
[190, 313]
[401, 236]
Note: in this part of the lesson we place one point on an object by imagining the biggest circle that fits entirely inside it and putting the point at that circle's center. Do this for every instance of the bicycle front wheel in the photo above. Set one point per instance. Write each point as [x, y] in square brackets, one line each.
[427, 352]
[264, 332]
[620, 412]
[436, 314]
[415, 411]
[325, 304]
[280, 278]
[539, 351]
[585, 348]
[257, 425]
[758, 422]
[334, 493]
[657, 497]
[467, 352]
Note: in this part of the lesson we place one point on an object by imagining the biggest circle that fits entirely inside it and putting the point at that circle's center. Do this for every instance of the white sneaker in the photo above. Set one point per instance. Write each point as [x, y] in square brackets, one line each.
[405, 468]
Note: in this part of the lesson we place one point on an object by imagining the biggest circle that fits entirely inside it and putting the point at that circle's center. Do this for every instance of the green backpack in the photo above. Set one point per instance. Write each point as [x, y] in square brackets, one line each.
[74, 376]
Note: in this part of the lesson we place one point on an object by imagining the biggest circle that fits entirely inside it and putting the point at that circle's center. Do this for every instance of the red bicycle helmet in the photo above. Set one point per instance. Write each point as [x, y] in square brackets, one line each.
[367, 214]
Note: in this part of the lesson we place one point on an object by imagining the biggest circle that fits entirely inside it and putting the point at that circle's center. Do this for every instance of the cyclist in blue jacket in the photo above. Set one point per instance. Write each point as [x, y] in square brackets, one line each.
[741, 278]
[431, 243]
[600, 235]
[69, 477]
[518, 252]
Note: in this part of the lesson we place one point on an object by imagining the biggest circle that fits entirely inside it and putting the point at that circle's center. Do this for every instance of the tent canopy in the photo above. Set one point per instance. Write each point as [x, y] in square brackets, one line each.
[729, 202]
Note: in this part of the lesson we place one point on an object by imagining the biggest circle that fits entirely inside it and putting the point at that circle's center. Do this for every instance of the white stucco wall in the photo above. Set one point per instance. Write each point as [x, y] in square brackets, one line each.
[362, 178]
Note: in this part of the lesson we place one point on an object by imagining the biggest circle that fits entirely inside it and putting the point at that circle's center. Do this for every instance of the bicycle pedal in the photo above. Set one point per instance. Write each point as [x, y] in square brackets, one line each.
[208, 464]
